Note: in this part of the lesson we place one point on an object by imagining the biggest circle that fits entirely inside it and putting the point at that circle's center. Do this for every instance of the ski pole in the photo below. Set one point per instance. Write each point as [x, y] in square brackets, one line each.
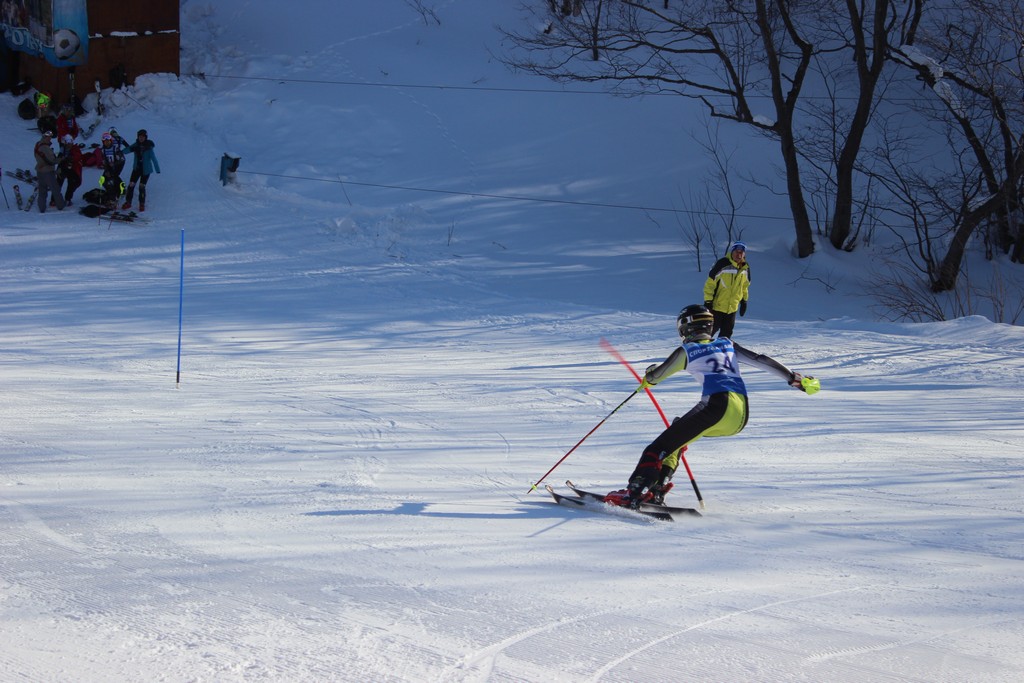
[534, 487]
[606, 345]
[5, 192]
[181, 305]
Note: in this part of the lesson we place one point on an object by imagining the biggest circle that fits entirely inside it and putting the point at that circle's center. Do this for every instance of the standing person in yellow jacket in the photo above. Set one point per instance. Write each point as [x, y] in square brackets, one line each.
[726, 289]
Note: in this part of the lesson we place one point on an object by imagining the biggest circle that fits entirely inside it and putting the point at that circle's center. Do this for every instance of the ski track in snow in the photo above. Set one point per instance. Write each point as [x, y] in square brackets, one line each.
[153, 596]
[630, 655]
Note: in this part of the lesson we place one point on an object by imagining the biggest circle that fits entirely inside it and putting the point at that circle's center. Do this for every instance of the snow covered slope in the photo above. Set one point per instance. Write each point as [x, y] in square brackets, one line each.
[373, 376]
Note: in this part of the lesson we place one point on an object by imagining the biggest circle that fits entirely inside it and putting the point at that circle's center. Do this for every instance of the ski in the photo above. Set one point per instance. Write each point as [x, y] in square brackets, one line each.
[87, 133]
[126, 217]
[17, 197]
[579, 501]
[32, 198]
[24, 176]
[122, 217]
[99, 113]
[101, 212]
[644, 507]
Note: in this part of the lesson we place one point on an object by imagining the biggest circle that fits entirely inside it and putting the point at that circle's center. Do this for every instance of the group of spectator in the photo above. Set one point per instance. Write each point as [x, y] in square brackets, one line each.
[60, 174]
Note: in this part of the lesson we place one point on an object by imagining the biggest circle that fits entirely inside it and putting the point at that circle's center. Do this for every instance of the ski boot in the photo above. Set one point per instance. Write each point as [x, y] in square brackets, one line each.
[664, 485]
[624, 499]
[619, 497]
[126, 206]
[629, 497]
[659, 492]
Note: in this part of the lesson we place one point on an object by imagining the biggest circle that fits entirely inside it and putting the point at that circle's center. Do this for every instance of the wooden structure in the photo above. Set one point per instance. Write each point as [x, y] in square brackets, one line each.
[126, 39]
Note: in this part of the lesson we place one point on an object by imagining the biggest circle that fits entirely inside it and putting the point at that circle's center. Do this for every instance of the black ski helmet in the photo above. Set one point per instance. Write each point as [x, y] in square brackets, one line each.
[695, 323]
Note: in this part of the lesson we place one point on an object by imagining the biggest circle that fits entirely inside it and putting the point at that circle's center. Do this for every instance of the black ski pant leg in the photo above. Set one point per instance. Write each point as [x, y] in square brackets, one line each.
[724, 324]
[41, 191]
[74, 182]
[142, 188]
[129, 193]
[689, 427]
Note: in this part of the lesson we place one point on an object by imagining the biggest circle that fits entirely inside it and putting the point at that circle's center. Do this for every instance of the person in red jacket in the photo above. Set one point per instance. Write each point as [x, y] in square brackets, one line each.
[69, 167]
[66, 123]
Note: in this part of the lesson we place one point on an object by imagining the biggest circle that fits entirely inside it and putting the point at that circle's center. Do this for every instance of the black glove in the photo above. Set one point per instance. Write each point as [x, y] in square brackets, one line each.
[743, 308]
[707, 305]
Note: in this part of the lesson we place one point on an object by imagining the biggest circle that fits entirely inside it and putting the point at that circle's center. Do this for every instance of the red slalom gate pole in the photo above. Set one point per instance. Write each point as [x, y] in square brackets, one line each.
[534, 487]
[606, 345]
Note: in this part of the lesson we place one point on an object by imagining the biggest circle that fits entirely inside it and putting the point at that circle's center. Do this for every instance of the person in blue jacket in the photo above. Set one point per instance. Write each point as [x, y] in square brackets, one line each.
[143, 166]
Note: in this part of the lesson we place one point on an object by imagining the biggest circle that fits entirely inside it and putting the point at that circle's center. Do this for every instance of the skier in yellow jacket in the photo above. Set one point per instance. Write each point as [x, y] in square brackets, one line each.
[727, 288]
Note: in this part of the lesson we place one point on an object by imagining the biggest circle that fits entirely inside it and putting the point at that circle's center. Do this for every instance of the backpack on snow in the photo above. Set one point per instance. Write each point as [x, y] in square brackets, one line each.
[92, 211]
[94, 196]
[27, 109]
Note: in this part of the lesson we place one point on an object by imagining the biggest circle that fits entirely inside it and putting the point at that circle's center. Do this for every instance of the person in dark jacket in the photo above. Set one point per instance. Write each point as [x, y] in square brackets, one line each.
[143, 166]
[111, 156]
[69, 167]
[113, 161]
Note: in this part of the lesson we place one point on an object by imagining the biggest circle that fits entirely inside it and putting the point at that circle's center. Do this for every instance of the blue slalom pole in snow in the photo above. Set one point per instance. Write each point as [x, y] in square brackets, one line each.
[181, 301]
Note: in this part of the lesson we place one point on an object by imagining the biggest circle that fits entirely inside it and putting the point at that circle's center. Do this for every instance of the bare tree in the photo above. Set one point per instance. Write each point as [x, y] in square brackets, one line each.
[729, 55]
[428, 13]
[714, 209]
[872, 26]
[971, 59]
[901, 295]
[694, 49]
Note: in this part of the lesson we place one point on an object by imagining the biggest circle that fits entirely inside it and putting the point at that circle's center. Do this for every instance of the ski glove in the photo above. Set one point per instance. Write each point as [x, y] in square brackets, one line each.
[743, 308]
[645, 383]
[809, 385]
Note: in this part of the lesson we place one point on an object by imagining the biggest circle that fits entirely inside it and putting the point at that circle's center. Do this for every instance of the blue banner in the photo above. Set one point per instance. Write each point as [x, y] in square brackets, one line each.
[57, 30]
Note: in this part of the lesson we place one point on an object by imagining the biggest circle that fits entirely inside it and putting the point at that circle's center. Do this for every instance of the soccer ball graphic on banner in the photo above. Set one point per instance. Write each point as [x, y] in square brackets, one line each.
[65, 43]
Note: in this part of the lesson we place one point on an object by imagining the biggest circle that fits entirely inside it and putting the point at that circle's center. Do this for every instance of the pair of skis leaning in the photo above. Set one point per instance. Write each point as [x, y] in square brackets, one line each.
[24, 176]
[586, 499]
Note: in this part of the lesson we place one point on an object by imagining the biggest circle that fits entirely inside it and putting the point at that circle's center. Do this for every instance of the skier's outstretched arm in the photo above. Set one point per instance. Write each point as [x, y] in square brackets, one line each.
[675, 362]
[769, 364]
